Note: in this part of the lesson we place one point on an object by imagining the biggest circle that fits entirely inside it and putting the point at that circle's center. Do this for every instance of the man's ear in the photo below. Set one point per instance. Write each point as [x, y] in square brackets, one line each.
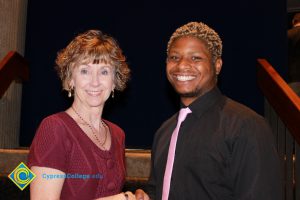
[218, 65]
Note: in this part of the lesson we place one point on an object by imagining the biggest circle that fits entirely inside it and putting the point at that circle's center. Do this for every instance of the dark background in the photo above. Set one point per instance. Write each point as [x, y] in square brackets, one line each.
[250, 29]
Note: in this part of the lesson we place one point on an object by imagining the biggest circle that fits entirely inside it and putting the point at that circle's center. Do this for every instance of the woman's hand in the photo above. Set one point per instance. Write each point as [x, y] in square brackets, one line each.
[122, 196]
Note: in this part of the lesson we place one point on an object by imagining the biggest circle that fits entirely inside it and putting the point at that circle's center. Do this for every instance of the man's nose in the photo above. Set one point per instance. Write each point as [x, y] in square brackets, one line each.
[184, 63]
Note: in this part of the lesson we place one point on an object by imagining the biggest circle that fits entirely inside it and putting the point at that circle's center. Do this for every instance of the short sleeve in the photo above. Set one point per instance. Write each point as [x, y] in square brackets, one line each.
[49, 146]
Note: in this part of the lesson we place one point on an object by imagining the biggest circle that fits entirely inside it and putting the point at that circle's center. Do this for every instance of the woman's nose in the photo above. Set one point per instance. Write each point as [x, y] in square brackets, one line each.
[95, 80]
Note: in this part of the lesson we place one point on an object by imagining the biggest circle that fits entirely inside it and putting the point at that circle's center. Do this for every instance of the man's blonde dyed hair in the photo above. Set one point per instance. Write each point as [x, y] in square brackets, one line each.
[202, 32]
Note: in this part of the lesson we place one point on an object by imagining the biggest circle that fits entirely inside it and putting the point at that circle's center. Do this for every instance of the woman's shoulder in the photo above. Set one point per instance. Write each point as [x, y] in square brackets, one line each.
[51, 144]
[56, 119]
[55, 124]
[60, 116]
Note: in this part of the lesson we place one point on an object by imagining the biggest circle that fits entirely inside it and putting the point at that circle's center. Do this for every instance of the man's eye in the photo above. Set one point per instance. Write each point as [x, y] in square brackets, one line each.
[173, 58]
[83, 71]
[196, 58]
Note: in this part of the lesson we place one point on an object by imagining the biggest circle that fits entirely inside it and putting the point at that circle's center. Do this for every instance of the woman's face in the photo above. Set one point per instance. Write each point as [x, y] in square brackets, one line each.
[92, 84]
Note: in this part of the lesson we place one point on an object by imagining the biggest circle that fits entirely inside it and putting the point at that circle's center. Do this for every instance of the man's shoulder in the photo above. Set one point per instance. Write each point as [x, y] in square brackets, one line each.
[238, 110]
[237, 115]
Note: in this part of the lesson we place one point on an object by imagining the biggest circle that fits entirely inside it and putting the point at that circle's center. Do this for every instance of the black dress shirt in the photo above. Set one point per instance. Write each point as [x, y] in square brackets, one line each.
[225, 151]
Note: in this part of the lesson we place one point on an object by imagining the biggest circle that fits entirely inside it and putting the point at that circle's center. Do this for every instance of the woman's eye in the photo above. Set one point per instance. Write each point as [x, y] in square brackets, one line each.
[104, 72]
[83, 71]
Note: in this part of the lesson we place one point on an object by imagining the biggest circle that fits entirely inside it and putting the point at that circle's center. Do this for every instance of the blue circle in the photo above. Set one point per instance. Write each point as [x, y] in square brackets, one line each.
[22, 176]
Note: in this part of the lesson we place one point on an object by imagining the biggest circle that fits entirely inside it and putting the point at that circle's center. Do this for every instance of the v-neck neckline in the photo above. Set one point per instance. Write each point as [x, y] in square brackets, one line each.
[108, 151]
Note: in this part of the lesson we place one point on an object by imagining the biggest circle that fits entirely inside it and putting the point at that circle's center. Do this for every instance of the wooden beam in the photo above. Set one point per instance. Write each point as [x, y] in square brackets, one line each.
[13, 66]
[283, 99]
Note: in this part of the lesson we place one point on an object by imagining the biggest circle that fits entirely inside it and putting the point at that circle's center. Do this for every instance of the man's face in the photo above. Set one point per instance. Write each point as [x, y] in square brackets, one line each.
[190, 68]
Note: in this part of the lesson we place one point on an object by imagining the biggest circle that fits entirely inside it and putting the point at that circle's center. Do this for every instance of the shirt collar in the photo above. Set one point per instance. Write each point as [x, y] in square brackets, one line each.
[204, 102]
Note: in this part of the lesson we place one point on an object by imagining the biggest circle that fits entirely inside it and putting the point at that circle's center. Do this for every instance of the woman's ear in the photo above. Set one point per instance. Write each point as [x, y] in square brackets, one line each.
[71, 84]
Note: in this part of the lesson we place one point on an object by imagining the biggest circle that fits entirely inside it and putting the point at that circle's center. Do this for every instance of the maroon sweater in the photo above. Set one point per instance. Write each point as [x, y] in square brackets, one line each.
[90, 172]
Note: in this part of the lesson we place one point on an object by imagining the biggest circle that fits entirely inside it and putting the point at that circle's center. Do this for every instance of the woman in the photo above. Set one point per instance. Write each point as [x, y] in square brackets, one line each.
[76, 154]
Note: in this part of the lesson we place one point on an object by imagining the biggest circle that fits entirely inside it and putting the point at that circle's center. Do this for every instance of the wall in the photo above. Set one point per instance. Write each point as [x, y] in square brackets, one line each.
[249, 28]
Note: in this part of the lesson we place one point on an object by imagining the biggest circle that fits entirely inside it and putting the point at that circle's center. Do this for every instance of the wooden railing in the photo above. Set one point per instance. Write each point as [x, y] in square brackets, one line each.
[12, 67]
[282, 110]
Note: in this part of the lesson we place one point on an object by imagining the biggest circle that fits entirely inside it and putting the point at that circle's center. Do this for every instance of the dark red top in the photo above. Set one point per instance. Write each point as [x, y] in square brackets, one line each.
[91, 172]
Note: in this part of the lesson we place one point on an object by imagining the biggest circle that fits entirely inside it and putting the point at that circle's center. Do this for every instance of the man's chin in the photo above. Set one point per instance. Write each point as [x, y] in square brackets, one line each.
[189, 94]
[194, 94]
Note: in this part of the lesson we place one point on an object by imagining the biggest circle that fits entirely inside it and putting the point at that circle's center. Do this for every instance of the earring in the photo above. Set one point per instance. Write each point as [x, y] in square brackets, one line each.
[113, 93]
[70, 91]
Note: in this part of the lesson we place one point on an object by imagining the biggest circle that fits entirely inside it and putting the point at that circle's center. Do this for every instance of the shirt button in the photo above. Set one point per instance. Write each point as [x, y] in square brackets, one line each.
[110, 163]
[111, 186]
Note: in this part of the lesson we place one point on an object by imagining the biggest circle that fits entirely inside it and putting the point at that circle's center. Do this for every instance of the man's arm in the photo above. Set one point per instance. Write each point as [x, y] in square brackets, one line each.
[255, 166]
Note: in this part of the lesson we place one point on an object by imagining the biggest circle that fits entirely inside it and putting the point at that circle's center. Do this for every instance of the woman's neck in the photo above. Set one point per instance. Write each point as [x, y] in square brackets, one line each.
[92, 115]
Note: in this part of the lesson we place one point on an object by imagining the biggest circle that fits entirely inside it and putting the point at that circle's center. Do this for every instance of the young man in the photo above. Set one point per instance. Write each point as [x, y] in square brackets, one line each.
[224, 150]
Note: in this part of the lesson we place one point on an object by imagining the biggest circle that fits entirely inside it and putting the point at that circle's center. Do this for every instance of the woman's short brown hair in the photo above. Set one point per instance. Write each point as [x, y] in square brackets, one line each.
[93, 46]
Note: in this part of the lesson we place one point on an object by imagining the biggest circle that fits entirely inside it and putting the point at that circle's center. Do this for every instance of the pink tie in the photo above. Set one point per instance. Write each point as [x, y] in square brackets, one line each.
[171, 154]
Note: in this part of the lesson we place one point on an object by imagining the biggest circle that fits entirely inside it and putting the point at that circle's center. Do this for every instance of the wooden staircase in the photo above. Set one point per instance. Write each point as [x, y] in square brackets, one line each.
[282, 110]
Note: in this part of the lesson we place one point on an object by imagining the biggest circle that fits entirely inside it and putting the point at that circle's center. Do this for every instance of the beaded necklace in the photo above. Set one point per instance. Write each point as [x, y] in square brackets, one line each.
[93, 129]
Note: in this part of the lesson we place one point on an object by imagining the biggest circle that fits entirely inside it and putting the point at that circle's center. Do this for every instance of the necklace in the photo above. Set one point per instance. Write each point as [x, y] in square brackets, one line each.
[93, 129]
